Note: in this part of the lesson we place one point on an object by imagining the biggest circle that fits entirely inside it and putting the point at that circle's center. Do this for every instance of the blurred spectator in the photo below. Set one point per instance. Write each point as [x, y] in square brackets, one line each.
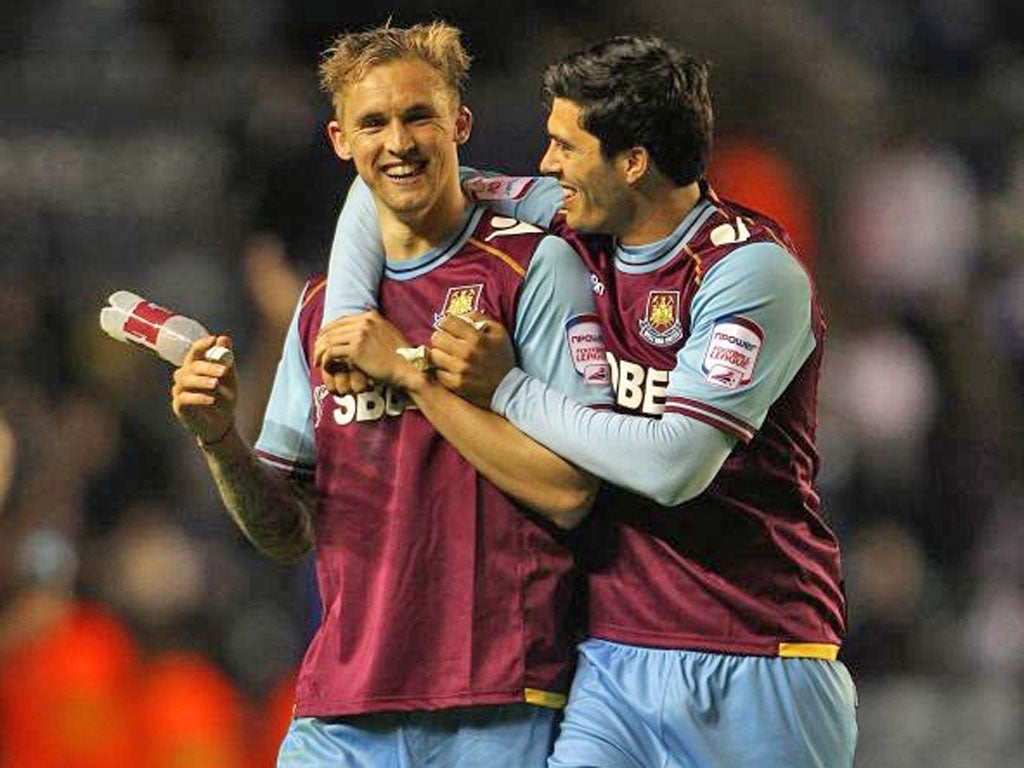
[995, 619]
[883, 384]
[910, 227]
[889, 581]
[272, 720]
[189, 714]
[67, 693]
[8, 448]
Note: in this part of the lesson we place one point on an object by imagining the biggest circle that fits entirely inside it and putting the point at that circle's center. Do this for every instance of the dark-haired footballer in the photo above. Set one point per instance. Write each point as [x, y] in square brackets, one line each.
[716, 605]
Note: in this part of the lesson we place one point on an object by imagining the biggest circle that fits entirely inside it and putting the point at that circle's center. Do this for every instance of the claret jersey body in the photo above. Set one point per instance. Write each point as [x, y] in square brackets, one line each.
[438, 590]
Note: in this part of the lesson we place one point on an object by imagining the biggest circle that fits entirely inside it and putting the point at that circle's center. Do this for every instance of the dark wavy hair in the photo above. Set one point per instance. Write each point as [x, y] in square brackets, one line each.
[638, 91]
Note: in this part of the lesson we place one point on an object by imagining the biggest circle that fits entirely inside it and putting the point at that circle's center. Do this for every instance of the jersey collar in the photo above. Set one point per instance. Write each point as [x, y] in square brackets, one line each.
[407, 269]
[639, 259]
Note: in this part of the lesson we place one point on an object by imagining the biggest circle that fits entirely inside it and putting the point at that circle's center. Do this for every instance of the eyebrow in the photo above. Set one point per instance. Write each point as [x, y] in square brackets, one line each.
[412, 112]
[561, 140]
[417, 111]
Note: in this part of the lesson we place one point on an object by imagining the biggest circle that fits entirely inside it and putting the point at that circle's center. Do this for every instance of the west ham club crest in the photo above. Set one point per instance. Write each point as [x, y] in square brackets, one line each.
[661, 326]
[460, 300]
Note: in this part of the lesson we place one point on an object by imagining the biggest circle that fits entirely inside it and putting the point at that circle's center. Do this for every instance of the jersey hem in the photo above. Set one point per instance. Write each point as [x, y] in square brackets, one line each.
[815, 648]
[531, 696]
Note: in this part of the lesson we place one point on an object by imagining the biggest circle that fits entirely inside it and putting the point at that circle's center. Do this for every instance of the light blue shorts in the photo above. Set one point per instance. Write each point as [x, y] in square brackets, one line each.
[505, 736]
[635, 707]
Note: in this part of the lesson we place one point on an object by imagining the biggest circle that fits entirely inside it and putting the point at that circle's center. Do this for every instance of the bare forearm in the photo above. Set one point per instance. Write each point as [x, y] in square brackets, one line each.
[515, 463]
[274, 514]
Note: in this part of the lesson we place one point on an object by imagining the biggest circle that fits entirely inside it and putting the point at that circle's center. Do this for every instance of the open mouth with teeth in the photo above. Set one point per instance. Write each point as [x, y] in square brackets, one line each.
[405, 172]
[569, 195]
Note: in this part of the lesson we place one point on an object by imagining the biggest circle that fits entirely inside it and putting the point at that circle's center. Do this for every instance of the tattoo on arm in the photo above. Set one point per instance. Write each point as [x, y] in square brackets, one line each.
[276, 514]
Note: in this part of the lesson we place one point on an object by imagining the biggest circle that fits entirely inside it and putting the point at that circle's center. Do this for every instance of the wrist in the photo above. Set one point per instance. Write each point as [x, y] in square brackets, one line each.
[413, 380]
[217, 440]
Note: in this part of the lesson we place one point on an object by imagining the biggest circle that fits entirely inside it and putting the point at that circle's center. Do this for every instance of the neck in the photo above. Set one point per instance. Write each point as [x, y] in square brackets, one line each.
[659, 209]
[410, 234]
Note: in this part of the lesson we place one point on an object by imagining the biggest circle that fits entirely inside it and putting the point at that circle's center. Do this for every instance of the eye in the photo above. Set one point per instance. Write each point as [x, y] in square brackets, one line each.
[371, 123]
[419, 115]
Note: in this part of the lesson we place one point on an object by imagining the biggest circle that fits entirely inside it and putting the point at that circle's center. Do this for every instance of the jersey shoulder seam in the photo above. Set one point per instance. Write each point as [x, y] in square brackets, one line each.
[499, 254]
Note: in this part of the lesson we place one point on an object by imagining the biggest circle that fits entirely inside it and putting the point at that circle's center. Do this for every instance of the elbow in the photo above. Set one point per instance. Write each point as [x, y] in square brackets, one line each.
[675, 494]
[575, 503]
[289, 554]
[679, 488]
[569, 518]
[287, 548]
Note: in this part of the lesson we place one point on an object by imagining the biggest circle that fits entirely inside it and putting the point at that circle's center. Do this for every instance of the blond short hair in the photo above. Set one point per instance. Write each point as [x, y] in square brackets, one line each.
[353, 54]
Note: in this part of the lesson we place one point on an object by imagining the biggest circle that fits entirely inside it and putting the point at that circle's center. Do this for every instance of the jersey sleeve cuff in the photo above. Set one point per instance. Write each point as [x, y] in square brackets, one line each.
[506, 390]
[291, 467]
[715, 417]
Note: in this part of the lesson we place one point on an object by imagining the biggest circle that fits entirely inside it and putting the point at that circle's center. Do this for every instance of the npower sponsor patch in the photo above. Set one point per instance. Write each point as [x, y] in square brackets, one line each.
[583, 333]
[732, 352]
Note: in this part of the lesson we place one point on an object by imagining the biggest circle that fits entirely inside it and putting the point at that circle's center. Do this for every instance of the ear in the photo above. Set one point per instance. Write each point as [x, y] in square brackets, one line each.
[463, 125]
[634, 162]
[336, 136]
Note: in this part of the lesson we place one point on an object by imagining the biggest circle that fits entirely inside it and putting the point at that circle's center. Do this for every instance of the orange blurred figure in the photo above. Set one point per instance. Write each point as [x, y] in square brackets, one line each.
[190, 715]
[757, 177]
[66, 694]
[272, 723]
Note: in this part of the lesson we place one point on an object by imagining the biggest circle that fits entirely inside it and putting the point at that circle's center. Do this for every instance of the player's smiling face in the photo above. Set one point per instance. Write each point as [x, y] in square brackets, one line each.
[401, 126]
[596, 196]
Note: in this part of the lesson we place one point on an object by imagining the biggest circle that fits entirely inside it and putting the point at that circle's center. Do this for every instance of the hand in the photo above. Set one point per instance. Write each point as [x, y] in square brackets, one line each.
[367, 341]
[337, 374]
[472, 362]
[340, 378]
[204, 394]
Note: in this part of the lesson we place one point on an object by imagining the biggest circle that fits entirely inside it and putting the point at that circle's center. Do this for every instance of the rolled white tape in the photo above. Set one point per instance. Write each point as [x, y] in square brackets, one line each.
[219, 354]
[416, 355]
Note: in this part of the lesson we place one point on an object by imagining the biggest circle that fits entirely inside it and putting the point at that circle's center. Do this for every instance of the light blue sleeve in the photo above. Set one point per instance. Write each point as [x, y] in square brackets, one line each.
[287, 439]
[750, 332]
[670, 460]
[557, 335]
[357, 257]
[357, 253]
[674, 458]
[533, 199]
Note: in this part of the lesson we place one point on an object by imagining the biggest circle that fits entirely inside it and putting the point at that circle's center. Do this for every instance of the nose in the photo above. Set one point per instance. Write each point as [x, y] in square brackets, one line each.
[399, 138]
[549, 164]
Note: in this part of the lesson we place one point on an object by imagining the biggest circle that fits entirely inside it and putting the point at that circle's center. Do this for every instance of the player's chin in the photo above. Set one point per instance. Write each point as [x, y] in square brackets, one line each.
[407, 201]
[579, 221]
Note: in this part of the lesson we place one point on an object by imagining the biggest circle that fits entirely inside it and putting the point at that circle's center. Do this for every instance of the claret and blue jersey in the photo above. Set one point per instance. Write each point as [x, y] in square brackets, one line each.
[718, 323]
[438, 590]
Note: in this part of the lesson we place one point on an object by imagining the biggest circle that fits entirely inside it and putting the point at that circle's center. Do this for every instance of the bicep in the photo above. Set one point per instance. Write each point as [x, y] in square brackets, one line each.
[750, 333]
[286, 439]
[357, 257]
[557, 336]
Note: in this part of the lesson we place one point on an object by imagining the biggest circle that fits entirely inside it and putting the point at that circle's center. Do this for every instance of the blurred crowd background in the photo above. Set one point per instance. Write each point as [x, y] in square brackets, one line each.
[176, 149]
